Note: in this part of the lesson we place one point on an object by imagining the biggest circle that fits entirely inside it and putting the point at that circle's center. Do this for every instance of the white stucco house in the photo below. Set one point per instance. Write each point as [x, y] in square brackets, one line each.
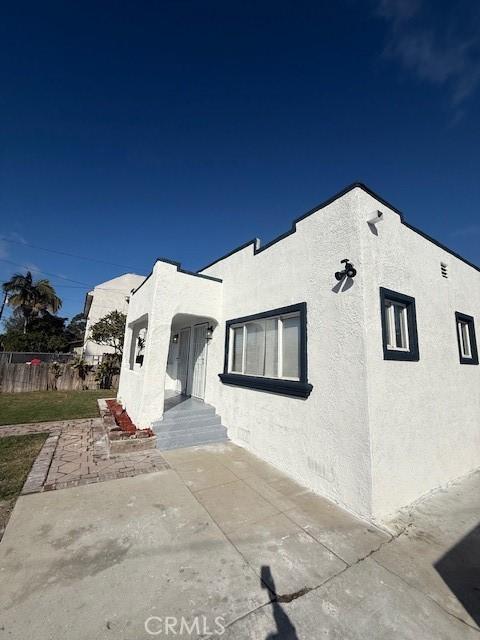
[364, 388]
[108, 296]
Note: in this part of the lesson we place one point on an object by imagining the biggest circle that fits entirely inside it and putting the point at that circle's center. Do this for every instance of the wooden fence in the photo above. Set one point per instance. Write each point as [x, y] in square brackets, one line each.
[24, 377]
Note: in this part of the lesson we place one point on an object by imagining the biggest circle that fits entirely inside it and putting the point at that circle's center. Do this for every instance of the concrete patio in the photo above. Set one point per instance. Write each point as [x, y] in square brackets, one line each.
[223, 535]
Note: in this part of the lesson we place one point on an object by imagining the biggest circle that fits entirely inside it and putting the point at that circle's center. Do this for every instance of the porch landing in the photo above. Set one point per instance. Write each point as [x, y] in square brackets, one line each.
[188, 422]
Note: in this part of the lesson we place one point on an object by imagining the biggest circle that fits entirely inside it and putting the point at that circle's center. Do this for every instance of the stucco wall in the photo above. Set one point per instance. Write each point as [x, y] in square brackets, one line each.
[323, 441]
[166, 294]
[131, 382]
[374, 434]
[424, 416]
[108, 296]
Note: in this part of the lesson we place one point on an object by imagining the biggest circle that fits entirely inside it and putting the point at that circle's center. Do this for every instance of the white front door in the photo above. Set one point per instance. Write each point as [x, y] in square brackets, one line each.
[199, 363]
[183, 356]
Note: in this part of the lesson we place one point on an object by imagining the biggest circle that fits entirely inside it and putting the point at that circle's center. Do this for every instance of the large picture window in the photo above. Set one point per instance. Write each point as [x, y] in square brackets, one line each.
[399, 326]
[467, 343]
[268, 351]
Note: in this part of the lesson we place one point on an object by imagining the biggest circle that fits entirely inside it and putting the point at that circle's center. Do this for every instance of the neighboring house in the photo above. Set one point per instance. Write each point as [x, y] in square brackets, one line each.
[108, 296]
[366, 390]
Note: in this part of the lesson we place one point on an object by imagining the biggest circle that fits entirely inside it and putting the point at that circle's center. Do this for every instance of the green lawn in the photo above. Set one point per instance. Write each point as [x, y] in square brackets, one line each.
[17, 454]
[41, 406]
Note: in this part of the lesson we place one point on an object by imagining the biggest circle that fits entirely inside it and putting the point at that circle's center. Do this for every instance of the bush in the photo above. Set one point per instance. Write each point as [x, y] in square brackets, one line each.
[109, 367]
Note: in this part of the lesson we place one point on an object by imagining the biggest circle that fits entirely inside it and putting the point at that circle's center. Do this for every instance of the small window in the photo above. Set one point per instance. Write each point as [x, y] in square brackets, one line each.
[141, 339]
[444, 269]
[467, 344]
[399, 326]
[397, 331]
[268, 351]
[137, 345]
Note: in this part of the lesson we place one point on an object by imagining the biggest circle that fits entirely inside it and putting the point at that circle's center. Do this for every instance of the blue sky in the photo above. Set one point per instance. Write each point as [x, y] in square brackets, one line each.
[131, 130]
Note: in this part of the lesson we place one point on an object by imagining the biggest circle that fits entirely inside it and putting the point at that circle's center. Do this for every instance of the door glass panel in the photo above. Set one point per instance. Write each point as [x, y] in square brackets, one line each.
[199, 361]
[183, 353]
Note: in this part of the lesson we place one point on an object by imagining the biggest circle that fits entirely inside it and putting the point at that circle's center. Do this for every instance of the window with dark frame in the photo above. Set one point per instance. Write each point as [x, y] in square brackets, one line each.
[268, 351]
[467, 343]
[399, 326]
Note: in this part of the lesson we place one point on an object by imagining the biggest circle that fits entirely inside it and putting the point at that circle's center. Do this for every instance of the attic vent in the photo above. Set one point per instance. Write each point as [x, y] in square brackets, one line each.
[444, 269]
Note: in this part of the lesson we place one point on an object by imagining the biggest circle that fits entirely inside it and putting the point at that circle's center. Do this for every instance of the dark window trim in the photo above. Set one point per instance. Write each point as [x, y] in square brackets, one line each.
[470, 321]
[413, 355]
[298, 388]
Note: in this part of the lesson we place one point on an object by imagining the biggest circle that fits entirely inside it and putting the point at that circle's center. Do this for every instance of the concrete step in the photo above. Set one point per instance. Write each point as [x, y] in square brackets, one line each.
[188, 413]
[184, 445]
[177, 440]
[173, 415]
[187, 423]
[197, 431]
[185, 417]
[190, 405]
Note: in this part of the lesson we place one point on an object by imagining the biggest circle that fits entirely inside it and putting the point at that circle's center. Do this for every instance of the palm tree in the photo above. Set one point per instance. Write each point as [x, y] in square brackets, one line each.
[29, 297]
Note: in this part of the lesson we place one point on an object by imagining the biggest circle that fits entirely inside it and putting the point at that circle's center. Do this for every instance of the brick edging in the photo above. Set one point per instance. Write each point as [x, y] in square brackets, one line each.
[40, 468]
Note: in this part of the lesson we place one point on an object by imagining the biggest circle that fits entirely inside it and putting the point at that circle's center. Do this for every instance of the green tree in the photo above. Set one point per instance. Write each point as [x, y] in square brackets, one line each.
[31, 298]
[76, 326]
[46, 333]
[110, 331]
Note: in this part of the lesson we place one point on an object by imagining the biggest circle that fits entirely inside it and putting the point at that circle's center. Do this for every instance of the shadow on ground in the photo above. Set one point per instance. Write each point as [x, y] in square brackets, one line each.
[285, 628]
[459, 568]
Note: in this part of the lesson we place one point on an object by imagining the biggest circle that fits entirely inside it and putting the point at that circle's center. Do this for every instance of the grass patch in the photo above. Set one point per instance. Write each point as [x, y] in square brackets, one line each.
[42, 406]
[17, 454]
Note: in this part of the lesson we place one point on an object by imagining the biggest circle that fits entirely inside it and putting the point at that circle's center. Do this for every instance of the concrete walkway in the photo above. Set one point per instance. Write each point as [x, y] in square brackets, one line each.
[222, 539]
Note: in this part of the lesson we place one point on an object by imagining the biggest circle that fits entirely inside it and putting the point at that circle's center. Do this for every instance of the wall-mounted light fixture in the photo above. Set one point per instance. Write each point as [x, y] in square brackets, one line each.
[348, 272]
[175, 338]
[210, 332]
[376, 216]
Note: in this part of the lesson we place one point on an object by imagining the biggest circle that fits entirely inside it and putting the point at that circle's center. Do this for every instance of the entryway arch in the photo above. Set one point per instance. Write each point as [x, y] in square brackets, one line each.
[188, 354]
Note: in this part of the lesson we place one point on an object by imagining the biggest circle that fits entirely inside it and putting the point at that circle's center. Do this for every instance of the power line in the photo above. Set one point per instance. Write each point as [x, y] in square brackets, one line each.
[57, 275]
[72, 286]
[65, 253]
[47, 273]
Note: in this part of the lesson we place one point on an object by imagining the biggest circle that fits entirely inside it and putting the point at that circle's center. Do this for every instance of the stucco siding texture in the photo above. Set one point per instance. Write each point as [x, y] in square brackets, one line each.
[130, 388]
[425, 415]
[167, 293]
[322, 441]
[374, 434]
